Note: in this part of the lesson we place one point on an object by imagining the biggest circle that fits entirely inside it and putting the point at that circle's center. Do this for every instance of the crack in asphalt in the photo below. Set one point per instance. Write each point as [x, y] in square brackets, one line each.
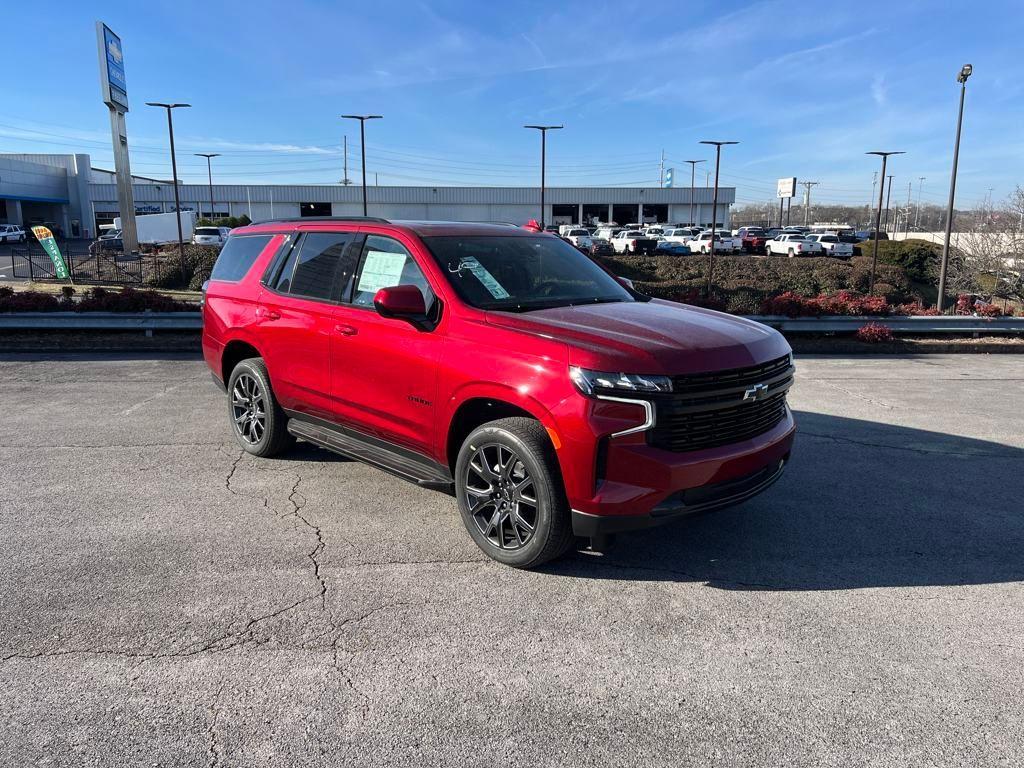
[214, 749]
[320, 544]
[856, 395]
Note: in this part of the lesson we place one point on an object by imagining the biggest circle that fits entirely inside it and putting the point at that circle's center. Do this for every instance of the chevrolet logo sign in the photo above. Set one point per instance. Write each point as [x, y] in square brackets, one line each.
[755, 393]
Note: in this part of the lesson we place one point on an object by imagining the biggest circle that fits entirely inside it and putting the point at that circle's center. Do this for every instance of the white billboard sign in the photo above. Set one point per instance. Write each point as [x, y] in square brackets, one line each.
[786, 187]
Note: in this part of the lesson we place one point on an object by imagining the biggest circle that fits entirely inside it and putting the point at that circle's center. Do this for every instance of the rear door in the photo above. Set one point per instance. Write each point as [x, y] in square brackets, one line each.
[383, 370]
[295, 318]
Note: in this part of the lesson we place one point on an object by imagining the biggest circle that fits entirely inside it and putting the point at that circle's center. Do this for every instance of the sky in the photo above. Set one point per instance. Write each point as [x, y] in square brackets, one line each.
[805, 87]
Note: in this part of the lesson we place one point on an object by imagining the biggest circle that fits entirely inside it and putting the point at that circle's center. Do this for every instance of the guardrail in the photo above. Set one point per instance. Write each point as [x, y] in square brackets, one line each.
[924, 325]
[193, 321]
[102, 321]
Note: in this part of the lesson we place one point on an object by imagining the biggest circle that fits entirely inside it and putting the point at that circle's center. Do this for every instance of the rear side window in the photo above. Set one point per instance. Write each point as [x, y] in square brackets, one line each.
[237, 256]
[324, 260]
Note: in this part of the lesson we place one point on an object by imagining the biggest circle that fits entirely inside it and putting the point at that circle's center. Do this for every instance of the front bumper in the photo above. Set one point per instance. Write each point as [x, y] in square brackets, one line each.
[634, 484]
[687, 503]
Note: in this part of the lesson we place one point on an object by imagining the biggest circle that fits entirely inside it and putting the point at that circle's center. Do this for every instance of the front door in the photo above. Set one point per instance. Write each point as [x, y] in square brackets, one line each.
[383, 370]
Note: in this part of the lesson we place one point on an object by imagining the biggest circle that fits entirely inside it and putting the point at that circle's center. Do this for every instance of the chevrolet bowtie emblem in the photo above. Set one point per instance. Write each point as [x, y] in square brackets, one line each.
[755, 393]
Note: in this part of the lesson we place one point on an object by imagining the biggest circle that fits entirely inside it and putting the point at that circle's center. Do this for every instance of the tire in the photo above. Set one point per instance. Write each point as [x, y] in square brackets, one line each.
[524, 458]
[791, 254]
[264, 431]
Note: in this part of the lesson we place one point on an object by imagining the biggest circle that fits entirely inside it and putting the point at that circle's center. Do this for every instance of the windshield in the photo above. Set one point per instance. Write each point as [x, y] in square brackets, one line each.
[519, 274]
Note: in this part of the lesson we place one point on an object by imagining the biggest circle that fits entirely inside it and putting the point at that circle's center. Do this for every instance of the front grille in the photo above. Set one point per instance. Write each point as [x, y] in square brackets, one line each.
[707, 410]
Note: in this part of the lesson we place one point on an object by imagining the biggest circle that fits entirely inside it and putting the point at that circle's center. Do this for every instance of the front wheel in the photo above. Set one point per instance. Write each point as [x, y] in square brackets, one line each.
[510, 493]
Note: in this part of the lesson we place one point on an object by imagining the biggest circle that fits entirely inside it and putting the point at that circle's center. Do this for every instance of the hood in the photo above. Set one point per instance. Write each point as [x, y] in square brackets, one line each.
[650, 336]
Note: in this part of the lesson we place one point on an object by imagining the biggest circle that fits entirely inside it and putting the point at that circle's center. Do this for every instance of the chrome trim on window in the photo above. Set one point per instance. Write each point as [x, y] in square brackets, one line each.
[649, 417]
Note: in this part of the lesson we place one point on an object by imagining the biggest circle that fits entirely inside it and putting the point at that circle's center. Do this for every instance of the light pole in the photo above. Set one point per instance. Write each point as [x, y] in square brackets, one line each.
[362, 145]
[209, 175]
[878, 216]
[543, 160]
[965, 72]
[693, 168]
[174, 171]
[714, 205]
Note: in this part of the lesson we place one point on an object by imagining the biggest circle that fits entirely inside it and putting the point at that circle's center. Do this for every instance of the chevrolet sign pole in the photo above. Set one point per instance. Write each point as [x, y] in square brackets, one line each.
[115, 95]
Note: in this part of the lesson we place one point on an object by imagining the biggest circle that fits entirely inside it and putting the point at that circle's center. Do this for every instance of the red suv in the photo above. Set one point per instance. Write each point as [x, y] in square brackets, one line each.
[500, 365]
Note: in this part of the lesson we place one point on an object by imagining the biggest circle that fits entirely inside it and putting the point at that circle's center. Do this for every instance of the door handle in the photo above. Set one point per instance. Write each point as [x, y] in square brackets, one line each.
[263, 313]
[346, 330]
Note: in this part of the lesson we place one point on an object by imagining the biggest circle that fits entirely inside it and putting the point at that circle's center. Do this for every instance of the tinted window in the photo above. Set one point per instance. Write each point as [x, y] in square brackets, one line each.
[320, 255]
[282, 282]
[386, 263]
[237, 256]
[207, 231]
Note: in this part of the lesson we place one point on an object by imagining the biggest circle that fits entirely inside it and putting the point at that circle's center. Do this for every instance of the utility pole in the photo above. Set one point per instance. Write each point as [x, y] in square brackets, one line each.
[693, 166]
[662, 170]
[874, 183]
[346, 181]
[917, 215]
[807, 197]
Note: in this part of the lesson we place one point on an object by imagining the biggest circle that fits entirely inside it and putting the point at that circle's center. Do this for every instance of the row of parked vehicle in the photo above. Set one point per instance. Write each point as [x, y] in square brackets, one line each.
[111, 241]
[685, 240]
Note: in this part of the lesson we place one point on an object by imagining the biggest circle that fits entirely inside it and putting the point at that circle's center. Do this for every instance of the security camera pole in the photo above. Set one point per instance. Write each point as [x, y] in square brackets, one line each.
[174, 172]
[878, 216]
[362, 145]
[693, 168]
[209, 175]
[965, 72]
[543, 160]
[714, 206]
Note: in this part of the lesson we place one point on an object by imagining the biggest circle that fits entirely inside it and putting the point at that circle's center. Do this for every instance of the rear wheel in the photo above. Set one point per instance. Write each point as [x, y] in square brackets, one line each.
[510, 493]
[258, 422]
[790, 253]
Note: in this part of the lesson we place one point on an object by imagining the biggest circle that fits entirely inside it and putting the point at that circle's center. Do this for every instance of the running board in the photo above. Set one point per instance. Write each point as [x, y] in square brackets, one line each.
[401, 462]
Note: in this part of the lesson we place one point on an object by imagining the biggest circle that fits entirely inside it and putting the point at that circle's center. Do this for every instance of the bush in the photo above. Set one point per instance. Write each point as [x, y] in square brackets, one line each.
[94, 300]
[199, 260]
[918, 259]
[874, 333]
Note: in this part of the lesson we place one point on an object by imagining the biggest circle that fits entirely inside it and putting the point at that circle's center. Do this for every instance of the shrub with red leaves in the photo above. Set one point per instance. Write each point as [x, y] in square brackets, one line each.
[874, 333]
[964, 304]
[915, 310]
[789, 304]
[987, 310]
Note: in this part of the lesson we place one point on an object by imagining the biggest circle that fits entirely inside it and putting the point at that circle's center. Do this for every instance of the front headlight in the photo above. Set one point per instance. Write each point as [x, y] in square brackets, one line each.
[594, 382]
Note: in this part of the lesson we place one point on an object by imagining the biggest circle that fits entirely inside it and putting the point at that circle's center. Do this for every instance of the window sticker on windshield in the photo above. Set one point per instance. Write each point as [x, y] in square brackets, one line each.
[486, 278]
[381, 269]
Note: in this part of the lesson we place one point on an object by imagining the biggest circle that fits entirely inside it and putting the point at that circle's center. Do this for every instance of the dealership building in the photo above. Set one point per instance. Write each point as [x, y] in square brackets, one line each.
[66, 191]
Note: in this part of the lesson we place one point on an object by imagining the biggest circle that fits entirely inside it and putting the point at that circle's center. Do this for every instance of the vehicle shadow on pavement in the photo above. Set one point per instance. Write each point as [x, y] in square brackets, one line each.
[862, 504]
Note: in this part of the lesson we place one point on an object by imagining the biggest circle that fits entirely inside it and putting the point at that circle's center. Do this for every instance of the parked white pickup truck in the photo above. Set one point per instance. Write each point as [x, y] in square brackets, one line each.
[579, 237]
[730, 244]
[633, 241]
[680, 234]
[702, 243]
[792, 245]
[832, 245]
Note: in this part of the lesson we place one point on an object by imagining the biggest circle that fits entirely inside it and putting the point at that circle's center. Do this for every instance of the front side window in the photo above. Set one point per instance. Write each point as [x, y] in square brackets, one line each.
[522, 273]
[385, 264]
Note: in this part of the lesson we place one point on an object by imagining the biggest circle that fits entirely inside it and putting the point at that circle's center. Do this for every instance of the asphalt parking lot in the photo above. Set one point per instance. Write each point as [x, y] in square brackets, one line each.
[167, 600]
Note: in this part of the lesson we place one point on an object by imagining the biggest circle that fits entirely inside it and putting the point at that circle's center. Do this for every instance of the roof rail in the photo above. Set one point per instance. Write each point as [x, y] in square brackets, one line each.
[301, 219]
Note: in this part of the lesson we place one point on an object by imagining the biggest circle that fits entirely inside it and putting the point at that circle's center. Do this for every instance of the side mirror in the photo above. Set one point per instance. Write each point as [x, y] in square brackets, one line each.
[625, 282]
[400, 301]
